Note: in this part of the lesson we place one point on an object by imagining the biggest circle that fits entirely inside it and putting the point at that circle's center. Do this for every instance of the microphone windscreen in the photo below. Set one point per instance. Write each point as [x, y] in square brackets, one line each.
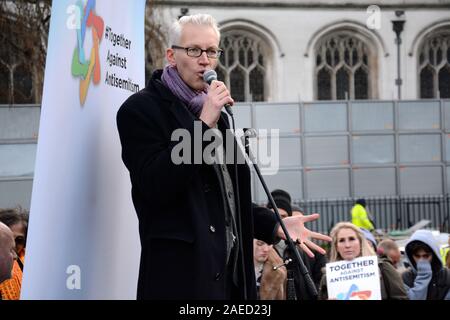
[209, 76]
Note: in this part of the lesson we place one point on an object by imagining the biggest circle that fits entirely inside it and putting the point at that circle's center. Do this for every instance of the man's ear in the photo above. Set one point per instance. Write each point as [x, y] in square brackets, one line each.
[170, 56]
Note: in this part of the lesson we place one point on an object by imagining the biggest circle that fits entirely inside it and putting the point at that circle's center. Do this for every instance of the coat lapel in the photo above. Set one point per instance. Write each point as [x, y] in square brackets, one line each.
[177, 108]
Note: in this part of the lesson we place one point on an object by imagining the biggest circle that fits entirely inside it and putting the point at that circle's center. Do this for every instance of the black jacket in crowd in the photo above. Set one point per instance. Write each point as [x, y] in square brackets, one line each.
[313, 265]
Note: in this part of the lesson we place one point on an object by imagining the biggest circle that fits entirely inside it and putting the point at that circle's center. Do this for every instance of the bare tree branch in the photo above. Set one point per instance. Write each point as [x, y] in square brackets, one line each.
[24, 36]
[155, 38]
[25, 26]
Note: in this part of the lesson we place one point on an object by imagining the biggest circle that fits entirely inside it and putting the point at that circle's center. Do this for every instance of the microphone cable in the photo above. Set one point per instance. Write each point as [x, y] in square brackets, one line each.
[237, 203]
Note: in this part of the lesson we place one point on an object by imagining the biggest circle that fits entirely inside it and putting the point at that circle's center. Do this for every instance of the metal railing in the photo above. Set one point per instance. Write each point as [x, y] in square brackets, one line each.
[389, 213]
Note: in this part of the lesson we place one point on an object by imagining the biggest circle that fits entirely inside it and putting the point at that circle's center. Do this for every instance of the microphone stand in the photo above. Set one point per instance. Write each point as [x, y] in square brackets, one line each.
[301, 268]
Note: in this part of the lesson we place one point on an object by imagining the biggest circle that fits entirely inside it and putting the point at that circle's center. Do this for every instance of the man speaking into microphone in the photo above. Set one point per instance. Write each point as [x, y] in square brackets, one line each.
[191, 248]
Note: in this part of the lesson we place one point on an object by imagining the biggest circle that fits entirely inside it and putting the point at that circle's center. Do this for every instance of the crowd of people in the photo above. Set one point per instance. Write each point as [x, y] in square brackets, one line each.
[13, 235]
[422, 272]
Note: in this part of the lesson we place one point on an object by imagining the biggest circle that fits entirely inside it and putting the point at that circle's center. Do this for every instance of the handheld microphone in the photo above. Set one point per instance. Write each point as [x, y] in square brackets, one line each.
[208, 77]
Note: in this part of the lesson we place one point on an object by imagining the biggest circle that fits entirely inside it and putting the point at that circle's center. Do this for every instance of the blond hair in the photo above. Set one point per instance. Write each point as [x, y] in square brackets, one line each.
[199, 19]
[366, 250]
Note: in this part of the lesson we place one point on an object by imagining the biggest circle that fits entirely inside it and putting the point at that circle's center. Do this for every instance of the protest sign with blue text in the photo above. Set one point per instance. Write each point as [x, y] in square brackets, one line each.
[357, 279]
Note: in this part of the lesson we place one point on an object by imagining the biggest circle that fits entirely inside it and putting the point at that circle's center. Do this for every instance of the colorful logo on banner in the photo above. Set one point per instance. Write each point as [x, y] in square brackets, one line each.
[354, 294]
[82, 68]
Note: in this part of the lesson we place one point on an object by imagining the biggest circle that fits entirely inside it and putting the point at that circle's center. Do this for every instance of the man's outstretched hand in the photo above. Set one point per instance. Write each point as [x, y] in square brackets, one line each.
[296, 227]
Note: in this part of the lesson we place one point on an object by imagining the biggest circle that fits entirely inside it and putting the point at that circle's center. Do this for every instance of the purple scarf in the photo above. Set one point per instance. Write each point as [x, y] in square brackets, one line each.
[192, 98]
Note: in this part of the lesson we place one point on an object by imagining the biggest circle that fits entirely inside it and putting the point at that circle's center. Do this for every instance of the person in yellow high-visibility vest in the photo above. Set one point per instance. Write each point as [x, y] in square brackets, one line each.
[445, 254]
[360, 217]
[447, 259]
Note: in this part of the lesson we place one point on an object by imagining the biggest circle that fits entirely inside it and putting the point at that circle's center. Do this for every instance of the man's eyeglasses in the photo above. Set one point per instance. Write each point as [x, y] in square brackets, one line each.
[197, 52]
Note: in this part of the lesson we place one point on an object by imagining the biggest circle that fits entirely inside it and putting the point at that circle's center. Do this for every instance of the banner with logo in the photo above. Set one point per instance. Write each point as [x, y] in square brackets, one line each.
[357, 279]
[83, 235]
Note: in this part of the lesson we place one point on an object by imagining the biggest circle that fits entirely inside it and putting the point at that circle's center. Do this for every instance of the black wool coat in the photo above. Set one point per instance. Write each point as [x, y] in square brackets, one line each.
[180, 206]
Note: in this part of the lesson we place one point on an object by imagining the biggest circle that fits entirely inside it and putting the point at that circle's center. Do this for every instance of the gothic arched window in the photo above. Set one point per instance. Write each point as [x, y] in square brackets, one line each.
[344, 68]
[434, 65]
[243, 65]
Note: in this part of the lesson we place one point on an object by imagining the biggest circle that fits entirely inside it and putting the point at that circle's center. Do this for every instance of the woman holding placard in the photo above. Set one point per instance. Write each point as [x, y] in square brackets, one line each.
[349, 243]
